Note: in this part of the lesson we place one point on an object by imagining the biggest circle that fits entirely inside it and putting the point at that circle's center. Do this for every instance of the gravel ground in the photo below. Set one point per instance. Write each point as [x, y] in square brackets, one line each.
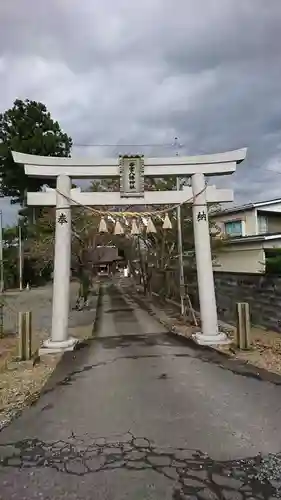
[39, 301]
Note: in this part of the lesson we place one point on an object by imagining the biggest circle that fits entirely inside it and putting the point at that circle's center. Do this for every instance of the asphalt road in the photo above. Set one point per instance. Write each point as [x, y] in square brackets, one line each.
[138, 414]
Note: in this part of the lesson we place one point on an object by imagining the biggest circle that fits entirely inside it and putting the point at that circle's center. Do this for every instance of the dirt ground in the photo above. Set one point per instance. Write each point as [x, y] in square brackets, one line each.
[265, 351]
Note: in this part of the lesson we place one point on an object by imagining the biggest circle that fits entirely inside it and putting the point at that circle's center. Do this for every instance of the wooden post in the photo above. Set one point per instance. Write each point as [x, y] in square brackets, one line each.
[21, 335]
[28, 344]
[243, 325]
[1, 314]
[25, 336]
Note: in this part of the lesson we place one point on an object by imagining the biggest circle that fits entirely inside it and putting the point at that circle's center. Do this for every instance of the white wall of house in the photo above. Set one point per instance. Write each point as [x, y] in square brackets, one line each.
[274, 207]
[253, 221]
[248, 219]
[240, 260]
[274, 223]
[244, 257]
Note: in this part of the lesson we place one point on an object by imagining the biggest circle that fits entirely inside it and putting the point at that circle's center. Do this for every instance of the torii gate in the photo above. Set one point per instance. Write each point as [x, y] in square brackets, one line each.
[65, 169]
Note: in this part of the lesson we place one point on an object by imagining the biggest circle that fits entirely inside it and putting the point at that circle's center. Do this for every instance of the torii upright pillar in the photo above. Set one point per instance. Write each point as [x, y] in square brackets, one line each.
[59, 339]
[197, 167]
[208, 309]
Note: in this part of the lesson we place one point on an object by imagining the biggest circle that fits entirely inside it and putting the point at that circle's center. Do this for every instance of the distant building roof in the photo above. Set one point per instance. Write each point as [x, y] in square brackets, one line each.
[253, 238]
[246, 206]
[105, 254]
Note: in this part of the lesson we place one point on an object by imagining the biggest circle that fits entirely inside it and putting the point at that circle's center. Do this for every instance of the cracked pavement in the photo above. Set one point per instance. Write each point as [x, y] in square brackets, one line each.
[140, 414]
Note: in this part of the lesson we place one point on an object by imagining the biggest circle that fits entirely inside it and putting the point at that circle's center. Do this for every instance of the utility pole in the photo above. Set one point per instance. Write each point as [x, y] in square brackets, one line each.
[20, 259]
[1, 254]
[181, 267]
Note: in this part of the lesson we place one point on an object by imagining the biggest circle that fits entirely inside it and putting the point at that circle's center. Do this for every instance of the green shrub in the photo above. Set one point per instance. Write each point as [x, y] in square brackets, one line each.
[273, 261]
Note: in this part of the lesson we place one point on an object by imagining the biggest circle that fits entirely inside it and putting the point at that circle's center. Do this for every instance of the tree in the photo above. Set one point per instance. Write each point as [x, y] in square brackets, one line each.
[39, 244]
[28, 128]
[146, 253]
[157, 254]
[10, 256]
[273, 261]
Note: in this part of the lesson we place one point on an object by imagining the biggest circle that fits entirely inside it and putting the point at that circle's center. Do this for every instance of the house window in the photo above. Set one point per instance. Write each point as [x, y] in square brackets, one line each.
[262, 224]
[233, 228]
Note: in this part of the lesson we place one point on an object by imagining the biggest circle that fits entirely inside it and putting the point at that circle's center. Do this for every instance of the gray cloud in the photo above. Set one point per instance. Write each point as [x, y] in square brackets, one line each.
[207, 71]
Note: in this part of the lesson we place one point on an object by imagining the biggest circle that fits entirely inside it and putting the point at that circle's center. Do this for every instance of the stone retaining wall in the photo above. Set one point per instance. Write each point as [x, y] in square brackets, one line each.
[262, 292]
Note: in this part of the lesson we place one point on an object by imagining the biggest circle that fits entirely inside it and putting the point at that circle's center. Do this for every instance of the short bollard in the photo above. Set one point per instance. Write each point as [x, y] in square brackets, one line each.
[243, 326]
[25, 336]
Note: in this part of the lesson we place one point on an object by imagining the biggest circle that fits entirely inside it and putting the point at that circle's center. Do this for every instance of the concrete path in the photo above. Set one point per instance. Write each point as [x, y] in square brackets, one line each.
[137, 414]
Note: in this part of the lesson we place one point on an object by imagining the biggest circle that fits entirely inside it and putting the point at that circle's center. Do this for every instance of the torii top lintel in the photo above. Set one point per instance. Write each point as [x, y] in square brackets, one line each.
[49, 166]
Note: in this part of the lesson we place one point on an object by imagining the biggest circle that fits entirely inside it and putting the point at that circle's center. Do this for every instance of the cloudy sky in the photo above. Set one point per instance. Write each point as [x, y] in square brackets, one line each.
[128, 72]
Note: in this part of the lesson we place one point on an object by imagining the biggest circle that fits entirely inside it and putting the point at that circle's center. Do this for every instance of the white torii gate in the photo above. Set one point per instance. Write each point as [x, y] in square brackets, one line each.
[64, 169]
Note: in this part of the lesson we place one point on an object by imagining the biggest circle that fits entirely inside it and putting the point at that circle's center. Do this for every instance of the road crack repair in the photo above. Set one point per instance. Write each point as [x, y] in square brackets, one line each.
[194, 474]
